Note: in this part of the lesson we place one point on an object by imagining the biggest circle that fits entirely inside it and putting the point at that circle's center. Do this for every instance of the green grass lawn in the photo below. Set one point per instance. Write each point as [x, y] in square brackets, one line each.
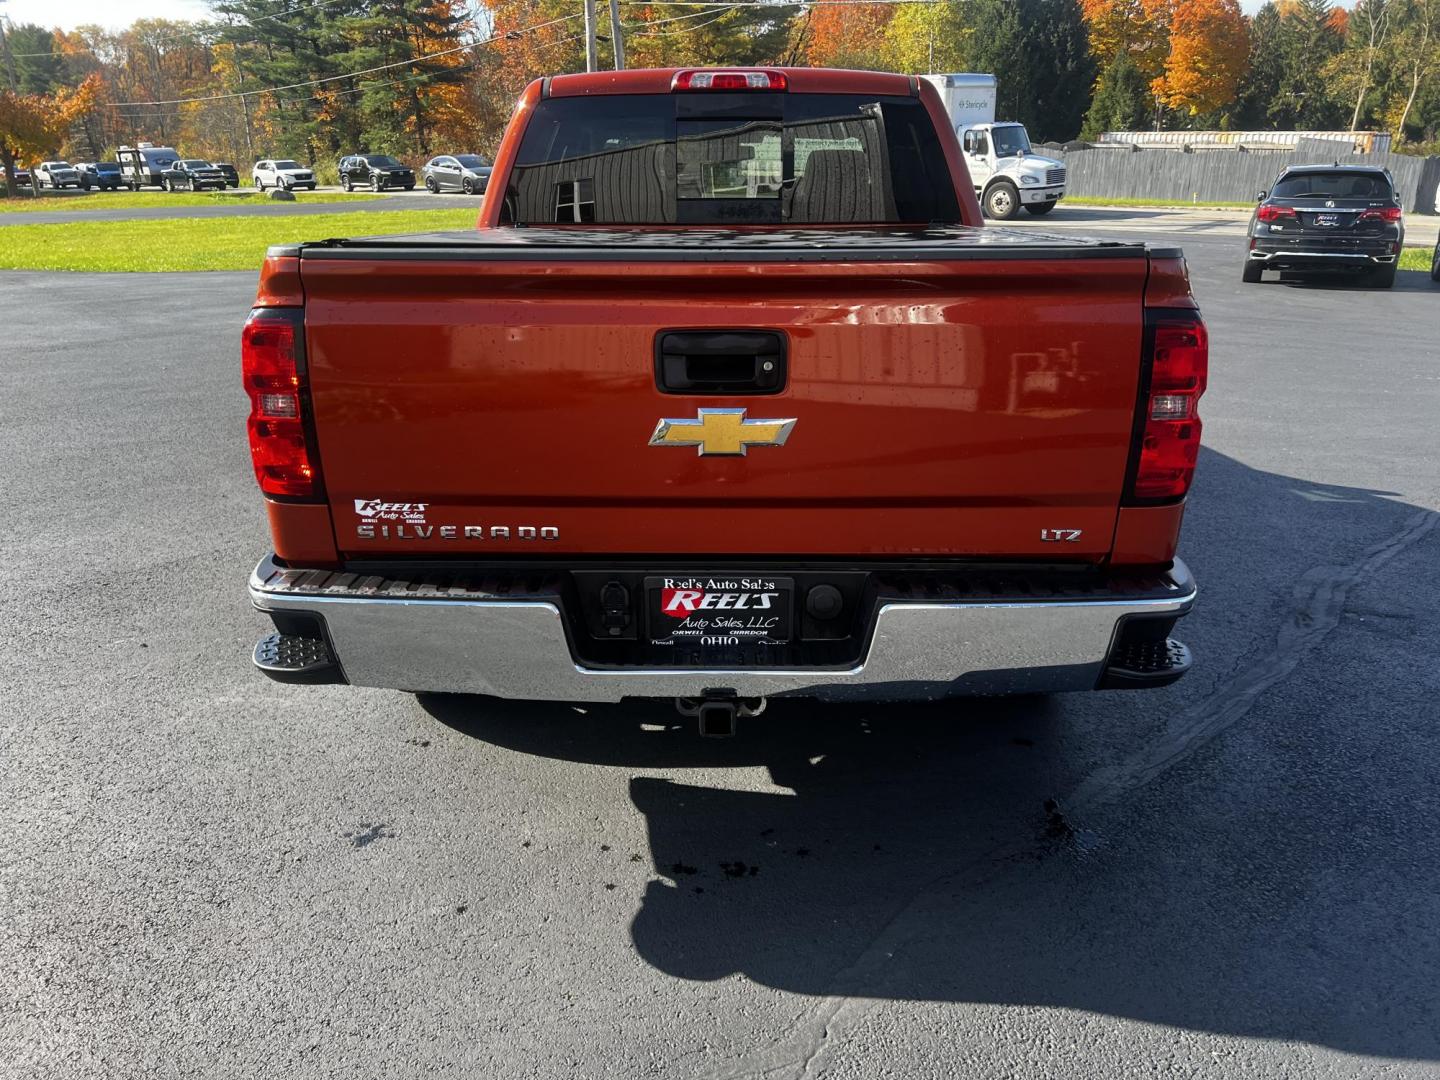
[1161, 204]
[49, 203]
[227, 243]
[1416, 259]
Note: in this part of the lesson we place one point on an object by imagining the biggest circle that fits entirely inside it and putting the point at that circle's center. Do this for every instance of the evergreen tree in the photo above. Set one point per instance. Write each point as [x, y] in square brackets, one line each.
[284, 48]
[1040, 53]
[39, 67]
[1123, 101]
[1261, 84]
[396, 106]
[1304, 98]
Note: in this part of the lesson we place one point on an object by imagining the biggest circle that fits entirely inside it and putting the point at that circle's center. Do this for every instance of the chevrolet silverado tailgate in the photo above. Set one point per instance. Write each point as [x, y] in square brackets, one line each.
[942, 392]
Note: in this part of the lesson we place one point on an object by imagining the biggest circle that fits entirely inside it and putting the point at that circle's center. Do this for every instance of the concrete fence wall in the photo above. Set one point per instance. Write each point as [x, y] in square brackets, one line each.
[1227, 175]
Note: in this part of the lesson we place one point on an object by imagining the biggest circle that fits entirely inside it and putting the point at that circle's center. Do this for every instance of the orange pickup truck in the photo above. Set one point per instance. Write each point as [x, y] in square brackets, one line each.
[730, 395]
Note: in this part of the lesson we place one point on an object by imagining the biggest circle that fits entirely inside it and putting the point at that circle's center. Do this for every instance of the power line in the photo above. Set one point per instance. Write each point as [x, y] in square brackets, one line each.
[132, 116]
[291, 11]
[760, 6]
[688, 29]
[676, 18]
[728, 4]
[348, 74]
[278, 17]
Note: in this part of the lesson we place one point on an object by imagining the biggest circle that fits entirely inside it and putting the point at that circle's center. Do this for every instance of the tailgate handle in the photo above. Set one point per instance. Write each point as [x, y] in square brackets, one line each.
[720, 361]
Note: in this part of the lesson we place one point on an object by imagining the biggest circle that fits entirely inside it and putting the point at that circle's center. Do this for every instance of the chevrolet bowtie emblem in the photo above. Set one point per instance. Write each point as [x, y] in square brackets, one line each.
[721, 431]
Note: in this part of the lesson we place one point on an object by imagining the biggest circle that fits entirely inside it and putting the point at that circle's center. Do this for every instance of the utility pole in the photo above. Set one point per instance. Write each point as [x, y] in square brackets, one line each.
[590, 63]
[615, 39]
[9, 60]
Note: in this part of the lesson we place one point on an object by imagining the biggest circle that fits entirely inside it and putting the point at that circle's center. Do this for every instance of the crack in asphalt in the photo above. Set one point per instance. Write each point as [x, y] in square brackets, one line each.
[1319, 600]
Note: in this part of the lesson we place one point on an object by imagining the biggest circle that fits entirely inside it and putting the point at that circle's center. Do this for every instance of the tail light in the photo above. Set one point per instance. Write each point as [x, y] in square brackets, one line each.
[1382, 213]
[1276, 213]
[272, 365]
[1168, 428]
[730, 80]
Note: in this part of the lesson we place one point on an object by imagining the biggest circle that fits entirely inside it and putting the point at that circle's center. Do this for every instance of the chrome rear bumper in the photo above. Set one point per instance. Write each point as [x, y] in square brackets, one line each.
[427, 635]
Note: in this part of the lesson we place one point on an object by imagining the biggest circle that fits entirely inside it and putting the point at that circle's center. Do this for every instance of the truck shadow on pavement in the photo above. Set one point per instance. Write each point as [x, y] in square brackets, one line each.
[926, 852]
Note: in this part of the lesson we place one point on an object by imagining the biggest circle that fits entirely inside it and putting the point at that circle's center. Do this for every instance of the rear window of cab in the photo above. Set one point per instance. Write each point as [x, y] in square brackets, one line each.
[730, 159]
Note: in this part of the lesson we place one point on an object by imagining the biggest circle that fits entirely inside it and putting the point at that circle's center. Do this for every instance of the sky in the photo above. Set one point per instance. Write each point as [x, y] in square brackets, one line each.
[117, 14]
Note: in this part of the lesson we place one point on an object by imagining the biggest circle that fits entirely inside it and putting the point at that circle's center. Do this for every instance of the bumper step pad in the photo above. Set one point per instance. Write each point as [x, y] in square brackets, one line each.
[290, 659]
[1145, 664]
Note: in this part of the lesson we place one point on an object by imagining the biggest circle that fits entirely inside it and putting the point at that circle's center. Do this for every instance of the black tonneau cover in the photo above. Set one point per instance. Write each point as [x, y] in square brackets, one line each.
[590, 244]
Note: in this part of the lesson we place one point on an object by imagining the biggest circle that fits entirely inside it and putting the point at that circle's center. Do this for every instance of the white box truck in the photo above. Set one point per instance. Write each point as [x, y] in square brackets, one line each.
[1006, 172]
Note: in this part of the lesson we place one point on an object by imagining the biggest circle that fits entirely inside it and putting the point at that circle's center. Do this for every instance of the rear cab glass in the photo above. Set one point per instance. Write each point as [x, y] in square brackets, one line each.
[1336, 184]
[731, 159]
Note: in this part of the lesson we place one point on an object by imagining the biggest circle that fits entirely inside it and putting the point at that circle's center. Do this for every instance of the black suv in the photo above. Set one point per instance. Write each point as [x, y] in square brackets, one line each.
[377, 171]
[1328, 217]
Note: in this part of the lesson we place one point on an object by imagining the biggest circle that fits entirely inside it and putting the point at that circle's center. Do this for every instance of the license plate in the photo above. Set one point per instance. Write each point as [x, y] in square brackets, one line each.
[719, 611]
[1327, 219]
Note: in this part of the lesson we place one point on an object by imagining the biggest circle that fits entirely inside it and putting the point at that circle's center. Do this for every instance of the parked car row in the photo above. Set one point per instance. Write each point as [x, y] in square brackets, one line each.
[148, 165]
[180, 174]
[55, 175]
[466, 173]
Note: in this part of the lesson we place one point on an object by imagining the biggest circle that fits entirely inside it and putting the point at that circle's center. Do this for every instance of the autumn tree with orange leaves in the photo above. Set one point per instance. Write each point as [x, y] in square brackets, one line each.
[847, 36]
[1208, 54]
[1136, 28]
[1193, 52]
[33, 125]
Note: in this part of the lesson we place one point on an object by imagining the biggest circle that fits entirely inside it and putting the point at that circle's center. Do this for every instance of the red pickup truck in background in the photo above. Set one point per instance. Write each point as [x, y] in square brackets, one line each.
[729, 396]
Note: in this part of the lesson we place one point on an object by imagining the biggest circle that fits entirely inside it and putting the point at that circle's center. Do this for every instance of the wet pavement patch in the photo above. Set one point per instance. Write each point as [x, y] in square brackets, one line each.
[1057, 826]
[368, 835]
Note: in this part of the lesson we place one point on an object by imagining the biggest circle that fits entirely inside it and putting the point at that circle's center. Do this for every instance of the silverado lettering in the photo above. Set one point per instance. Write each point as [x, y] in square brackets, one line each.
[957, 389]
[457, 532]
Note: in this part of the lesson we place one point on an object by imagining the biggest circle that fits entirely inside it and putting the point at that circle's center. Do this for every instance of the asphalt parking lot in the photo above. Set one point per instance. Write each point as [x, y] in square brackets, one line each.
[205, 873]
